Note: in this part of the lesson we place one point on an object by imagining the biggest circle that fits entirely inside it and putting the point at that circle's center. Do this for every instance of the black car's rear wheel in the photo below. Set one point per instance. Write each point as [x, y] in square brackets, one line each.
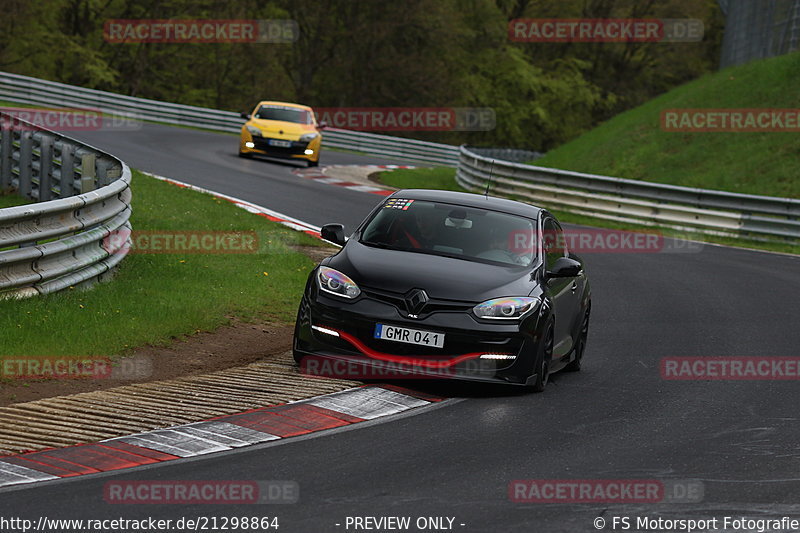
[542, 364]
[580, 345]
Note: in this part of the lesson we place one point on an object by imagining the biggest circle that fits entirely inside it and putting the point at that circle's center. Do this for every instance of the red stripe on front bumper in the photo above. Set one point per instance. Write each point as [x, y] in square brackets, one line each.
[416, 361]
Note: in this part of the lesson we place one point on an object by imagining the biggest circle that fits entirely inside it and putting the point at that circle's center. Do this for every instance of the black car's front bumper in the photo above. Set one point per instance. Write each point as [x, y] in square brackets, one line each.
[342, 344]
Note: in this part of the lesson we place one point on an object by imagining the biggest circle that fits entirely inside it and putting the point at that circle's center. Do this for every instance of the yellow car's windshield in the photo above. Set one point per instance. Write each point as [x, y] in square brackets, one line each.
[284, 114]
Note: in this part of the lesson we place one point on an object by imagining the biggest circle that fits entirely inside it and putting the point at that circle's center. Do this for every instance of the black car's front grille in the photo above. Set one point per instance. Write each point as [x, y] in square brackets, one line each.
[432, 306]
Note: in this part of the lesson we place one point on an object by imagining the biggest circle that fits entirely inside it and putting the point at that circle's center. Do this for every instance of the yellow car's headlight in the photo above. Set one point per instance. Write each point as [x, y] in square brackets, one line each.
[308, 137]
[255, 132]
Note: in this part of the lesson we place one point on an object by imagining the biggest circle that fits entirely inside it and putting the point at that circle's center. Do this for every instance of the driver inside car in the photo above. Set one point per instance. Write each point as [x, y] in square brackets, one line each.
[499, 249]
[414, 231]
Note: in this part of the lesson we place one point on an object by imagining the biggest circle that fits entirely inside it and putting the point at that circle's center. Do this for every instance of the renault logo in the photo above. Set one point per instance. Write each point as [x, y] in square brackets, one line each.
[415, 301]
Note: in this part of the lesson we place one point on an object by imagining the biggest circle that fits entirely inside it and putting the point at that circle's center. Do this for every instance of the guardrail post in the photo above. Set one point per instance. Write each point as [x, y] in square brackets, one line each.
[88, 172]
[102, 172]
[45, 169]
[66, 184]
[25, 162]
[6, 153]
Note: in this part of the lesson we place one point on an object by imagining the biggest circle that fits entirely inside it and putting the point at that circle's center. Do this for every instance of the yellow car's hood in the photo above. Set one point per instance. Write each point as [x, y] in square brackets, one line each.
[281, 130]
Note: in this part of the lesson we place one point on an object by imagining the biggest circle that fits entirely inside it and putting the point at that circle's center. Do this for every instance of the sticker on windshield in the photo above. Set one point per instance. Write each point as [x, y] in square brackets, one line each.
[398, 203]
[284, 107]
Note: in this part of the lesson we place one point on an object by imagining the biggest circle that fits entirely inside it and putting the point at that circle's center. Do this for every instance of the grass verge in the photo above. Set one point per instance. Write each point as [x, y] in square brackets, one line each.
[12, 200]
[634, 145]
[157, 297]
[444, 178]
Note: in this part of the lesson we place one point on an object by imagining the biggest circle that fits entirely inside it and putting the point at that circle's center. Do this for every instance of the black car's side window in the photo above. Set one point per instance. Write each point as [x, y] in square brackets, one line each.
[554, 243]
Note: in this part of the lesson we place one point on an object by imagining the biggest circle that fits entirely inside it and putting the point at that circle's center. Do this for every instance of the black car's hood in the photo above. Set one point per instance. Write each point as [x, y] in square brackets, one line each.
[441, 277]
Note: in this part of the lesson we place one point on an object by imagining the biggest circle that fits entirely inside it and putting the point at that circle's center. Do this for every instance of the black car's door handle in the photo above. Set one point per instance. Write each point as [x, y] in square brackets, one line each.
[574, 286]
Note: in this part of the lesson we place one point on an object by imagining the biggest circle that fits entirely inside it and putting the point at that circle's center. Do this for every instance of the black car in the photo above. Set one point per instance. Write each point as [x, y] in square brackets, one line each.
[444, 284]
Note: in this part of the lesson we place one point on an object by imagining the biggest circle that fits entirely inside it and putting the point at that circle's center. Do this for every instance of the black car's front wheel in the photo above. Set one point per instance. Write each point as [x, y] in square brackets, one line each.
[580, 345]
[542, 363]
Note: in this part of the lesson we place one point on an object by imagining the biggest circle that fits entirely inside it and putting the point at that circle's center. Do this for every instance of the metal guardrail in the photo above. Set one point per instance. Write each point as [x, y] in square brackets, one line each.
[634, 201]
[26, 90]
[83, 196]
[507, 154]
[757, 30]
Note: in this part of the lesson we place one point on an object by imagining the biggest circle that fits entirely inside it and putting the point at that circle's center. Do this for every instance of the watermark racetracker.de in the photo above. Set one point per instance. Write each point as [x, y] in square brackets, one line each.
[67, 119]
[192, 31]
[730, 120]
[730, 368]
[611, 30]
[208, 492]
[182, 242]
[602, 241]
[591, 491]
[408, 118]
[75, 367]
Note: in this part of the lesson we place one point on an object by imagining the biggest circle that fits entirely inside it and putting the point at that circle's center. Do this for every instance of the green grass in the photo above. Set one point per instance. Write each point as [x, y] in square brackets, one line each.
[12, 200]
[443, 178]
[157, 297]
[633, 144]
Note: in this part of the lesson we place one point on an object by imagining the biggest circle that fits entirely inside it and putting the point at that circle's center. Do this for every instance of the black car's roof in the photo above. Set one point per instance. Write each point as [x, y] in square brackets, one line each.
[471, 200]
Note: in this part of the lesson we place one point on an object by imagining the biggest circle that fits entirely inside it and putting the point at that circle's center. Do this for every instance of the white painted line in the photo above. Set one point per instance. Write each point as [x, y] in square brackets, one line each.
[174, 442]
[15, 474]
[225, 433]
[367, 402]
[364, 188]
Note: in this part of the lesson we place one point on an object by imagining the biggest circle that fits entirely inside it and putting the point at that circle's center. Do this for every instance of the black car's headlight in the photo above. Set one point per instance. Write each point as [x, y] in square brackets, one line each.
[334, 282]
[255, 132]
[308, 137]
[505, 308]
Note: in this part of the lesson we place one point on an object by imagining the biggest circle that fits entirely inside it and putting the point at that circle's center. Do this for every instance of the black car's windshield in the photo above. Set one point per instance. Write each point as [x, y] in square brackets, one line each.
[284, 114]
[452, 230]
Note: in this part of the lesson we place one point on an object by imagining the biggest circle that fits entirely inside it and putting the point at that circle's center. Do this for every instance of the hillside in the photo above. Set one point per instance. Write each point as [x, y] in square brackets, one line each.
[634, 145]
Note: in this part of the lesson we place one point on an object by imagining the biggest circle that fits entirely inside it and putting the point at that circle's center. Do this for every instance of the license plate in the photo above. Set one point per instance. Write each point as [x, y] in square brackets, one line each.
[278, 142]
[408, 335]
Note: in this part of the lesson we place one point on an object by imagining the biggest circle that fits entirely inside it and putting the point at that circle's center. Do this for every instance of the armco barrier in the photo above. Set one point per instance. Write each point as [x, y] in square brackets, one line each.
[634, 201]
[82, 195]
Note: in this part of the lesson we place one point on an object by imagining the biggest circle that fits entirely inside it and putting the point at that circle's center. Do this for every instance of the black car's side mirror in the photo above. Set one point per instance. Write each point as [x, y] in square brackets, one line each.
[333, 233]
[244, 115]
[564, 267]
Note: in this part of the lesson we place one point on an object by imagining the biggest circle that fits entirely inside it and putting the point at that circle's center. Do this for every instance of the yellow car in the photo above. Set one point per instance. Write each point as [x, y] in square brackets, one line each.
[278, 129]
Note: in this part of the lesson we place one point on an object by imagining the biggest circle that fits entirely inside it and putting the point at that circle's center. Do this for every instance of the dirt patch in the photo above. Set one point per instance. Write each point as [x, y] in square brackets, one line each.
[316, 253]
[375, 177]
[229, 346]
